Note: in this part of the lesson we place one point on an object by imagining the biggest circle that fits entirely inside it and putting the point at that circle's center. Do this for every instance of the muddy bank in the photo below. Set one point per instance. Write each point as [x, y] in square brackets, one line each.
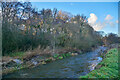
[12, 64]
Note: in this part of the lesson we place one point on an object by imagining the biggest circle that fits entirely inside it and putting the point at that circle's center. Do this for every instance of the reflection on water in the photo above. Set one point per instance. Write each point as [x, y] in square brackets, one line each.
[71, 67]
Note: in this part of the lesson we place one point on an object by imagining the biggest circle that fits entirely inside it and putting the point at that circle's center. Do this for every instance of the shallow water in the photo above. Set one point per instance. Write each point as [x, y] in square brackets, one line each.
[70, 67]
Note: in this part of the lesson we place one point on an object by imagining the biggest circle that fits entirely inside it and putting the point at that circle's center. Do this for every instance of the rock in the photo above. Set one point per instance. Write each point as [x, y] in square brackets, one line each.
[92, 67]
[75, 53]
[69, 52]
[34, 62]
[52, 58]
[43, 62]
[17, 61]
[6, 59]
[72, 54]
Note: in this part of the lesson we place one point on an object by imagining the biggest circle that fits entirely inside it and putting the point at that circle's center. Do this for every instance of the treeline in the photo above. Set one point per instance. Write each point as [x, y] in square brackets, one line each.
[111, 38]
[24, 27]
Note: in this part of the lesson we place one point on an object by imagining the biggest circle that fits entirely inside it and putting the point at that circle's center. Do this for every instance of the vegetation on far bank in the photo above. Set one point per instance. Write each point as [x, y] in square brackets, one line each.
[25, 28]
[108, 67]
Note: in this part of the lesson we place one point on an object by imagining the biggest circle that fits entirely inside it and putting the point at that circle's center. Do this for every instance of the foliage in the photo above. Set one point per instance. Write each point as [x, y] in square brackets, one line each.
[56, 55]
[60, 57]
[20, 54]
[26, 28]
[111, 38]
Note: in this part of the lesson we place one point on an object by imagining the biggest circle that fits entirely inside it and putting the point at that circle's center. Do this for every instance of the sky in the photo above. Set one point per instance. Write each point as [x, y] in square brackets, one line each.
[66, 0]
[102, 16]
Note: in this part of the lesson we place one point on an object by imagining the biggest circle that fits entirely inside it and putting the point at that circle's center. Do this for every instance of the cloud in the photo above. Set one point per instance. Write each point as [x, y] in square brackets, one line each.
[92, 19]
[110, 23]
[98, 26]
[116, 21]
[108, 17]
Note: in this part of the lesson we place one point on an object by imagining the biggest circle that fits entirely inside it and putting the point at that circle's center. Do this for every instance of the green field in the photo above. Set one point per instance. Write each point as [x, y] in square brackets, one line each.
[109, 67]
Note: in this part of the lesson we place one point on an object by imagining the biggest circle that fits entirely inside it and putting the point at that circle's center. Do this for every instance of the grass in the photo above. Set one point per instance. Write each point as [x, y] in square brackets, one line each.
[16, 54]
[109, 67]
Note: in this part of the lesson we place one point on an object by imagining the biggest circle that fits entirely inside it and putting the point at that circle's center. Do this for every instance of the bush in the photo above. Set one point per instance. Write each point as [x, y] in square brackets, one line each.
[13, 40]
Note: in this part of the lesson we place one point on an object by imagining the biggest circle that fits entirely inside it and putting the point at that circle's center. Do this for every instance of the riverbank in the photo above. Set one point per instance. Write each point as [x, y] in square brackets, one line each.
[108, 68]
[18, 61]
[69, 67]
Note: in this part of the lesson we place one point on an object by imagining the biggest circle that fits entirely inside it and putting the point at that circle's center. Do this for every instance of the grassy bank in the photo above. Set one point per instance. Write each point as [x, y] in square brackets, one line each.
[108, 67]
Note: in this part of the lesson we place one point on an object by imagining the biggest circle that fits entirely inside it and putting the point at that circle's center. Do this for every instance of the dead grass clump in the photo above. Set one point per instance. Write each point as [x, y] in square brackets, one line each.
[6, 59]
[47, 51]
[38, 51]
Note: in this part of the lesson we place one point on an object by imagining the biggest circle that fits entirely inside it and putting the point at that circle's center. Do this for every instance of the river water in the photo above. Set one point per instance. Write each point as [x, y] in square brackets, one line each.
[71, 67]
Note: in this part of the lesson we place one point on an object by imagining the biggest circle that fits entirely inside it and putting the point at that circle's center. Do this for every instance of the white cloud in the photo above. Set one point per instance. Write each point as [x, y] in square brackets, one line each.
[92, 19]
[100, 25]
[108, 17]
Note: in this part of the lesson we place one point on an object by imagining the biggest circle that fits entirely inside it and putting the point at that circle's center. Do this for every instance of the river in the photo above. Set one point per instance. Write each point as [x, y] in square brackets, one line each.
[71, 67]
